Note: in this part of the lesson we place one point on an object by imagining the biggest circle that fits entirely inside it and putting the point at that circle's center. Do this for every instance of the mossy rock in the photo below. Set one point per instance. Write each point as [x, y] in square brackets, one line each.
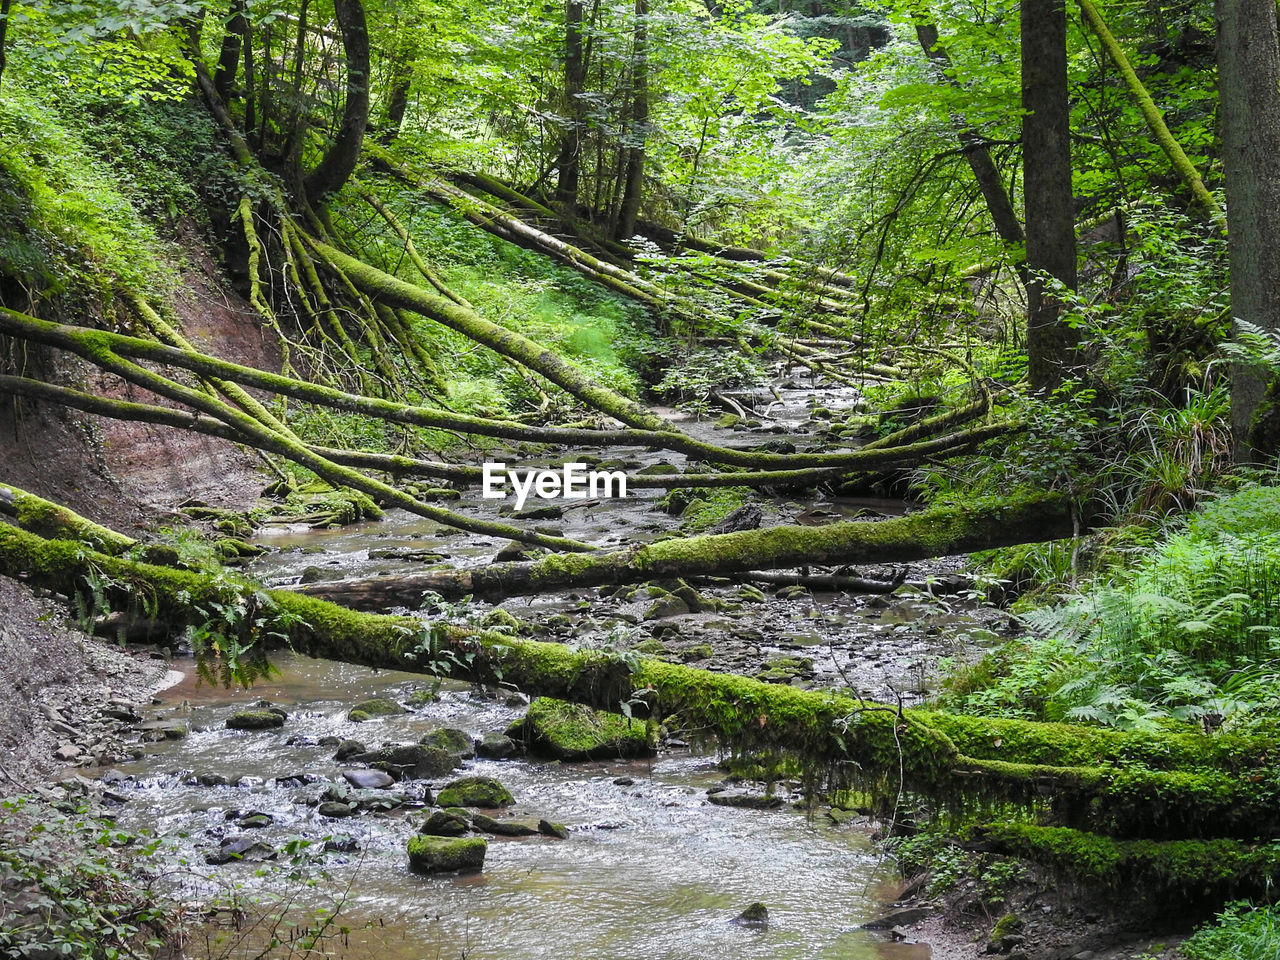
[504, 828]
[569, 731]
[751, 594]
[256, 720]
[414, 760]
[658, 470]
[503, 621]
[445, 823]
[446, 855]
[650, 647]
[475, 792]
[459, 743]
[549, 828]
[375, 707]
[423, 696]
[728, 420]
[699, 651]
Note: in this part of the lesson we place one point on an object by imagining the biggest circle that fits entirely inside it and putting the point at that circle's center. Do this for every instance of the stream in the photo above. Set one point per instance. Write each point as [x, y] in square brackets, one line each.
[650, 867]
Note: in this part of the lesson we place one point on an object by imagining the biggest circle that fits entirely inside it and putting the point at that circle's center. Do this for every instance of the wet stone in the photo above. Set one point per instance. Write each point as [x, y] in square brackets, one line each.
[744, 799]
[504, 828]
[755, 916]
[459, 743]
[445, 823]
[445, 855]
[348, 749]
[368, 779]
[335, 809]
[475, 792]
[240, 848]
[256, 720]
[549, 828]
[255, 821]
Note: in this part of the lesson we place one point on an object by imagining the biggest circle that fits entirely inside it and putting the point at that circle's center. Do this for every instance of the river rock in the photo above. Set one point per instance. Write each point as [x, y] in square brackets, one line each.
[255, 820]
[496, 746]
[335, 809]
[342, 844]
[348, 749]
[67, 752]
[156, 730]
[375, 707]
[256, 720]
[744, 799]
[368, 779]
[755, 916]
[504, 828]
[570, 731]
[550, 829]
[451, 740]
[411, 760]
[475, 792]
[668, 606]
[445, 823]
[240, 848]
[445, 855]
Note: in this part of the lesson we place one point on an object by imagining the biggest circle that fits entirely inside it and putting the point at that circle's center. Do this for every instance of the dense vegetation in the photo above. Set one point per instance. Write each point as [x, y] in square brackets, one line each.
[1035, 239]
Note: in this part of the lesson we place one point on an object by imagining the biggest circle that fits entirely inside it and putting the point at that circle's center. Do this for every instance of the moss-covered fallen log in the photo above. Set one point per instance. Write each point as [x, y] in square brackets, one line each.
[937, 532]
[53, 521]
[91, 343]
[876, 747]
[1182, 871]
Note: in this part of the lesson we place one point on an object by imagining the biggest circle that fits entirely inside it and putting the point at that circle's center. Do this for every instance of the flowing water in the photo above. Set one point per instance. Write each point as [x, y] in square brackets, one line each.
[650, 869]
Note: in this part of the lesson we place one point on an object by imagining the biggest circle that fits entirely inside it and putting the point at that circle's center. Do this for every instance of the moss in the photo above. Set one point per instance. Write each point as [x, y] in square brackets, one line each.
[458, 743]
[256, 720]
[1172, 869]
[502, 620]
[1009, 923]
[446, 855]
[569, 731]
[359, 716]
[376, 707]
[474, 792]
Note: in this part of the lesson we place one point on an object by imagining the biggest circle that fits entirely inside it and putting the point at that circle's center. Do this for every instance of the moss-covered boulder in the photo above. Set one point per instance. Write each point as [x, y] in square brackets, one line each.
[375, 707]
[459, 743]
[256, 720]
[475, 792]
[569, 731]
[446, 855]
[504, 828]
[445, 823]
[412, 760]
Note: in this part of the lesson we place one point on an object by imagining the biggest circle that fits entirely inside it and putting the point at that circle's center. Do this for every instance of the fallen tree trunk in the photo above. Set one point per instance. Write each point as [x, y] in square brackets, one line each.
[90, 343]
[942, 531]
[875, 747]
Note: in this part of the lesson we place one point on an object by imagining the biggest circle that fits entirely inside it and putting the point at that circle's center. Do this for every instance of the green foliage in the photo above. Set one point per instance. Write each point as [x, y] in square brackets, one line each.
[1242, 931]
[71, 887]
[1190, 633]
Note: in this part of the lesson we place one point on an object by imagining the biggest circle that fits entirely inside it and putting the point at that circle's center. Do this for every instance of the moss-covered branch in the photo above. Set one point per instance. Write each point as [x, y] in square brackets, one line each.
[941, 531]
[1182, 164]
[55, 522]
[87, 342]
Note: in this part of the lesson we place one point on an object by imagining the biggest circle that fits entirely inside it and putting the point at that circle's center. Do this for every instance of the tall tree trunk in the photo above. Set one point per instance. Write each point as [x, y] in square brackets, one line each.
[250, 89]
[976, 151]
[575, 80]
[229, 58]
[340, 161]
[4, 33]
[1046, 152]
[639, 122]
[1249, 107]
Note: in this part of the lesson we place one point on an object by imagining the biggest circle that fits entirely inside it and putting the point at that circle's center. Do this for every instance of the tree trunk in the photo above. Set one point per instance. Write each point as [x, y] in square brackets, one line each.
[575, 80]
[4, 35]
[224, 79]
[1050, 217]
[340, 161]
[634, 176]
[1249, 108]
[938, 532]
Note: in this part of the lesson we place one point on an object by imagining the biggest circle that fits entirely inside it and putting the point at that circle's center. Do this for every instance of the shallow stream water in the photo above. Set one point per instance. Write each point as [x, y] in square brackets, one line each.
[650, 870]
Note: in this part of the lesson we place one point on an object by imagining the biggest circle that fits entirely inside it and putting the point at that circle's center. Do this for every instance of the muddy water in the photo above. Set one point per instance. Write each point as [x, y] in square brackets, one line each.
[651, 868]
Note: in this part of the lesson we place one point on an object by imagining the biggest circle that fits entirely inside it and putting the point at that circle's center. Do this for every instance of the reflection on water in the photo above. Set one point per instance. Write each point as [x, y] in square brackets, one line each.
[651, 870]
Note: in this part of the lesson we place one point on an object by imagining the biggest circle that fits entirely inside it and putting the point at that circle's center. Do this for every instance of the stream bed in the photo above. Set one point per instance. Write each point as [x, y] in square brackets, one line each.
[650, 868]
